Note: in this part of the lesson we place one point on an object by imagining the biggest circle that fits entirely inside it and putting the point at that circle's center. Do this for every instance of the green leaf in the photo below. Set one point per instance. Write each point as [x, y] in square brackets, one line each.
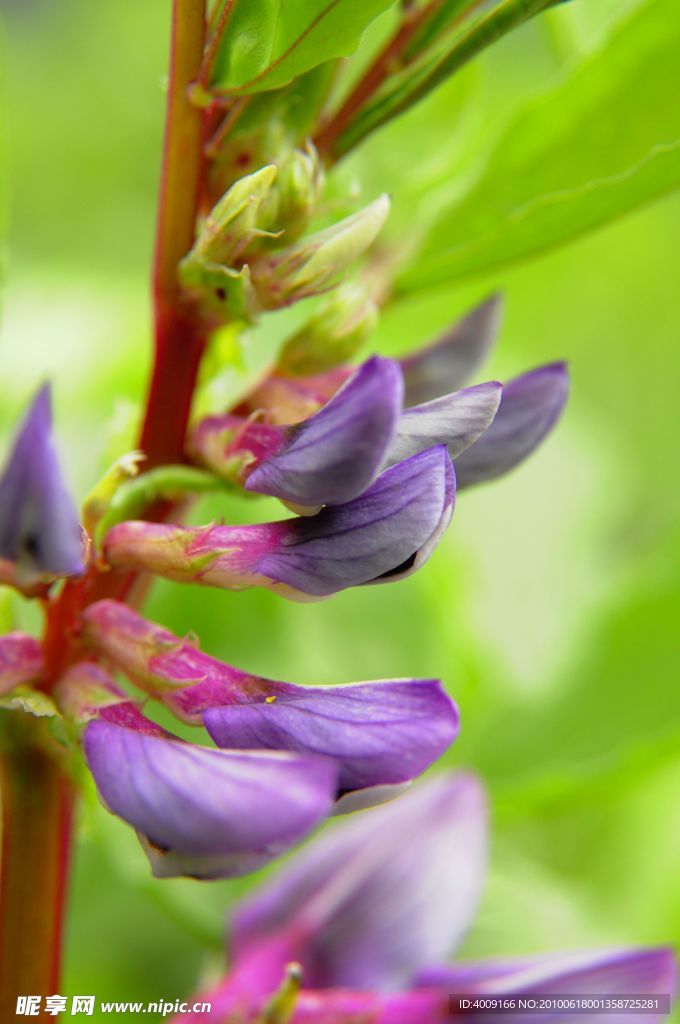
[30, 701]
[415, 83]
[268, 43]
[602, 142]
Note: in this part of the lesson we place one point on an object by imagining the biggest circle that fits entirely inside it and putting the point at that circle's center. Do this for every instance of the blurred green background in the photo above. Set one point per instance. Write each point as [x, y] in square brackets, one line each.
[552, 610]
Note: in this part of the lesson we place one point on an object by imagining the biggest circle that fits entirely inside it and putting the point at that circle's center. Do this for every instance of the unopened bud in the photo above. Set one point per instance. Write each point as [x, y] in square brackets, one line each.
[313, 264]
[224, 293]
[234, 221]
[292, 201]
[341, 324]
[212, 271]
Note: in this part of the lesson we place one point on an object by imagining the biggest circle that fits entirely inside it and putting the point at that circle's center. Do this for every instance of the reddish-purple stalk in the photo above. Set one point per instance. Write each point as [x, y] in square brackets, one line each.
[37, 811]
[37, 797]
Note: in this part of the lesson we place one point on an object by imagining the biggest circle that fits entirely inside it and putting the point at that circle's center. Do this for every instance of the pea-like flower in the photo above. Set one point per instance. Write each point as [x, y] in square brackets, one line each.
[372, 906]
[198, 811]
[328, 459]
[39, 530]
[385, 534]
[332, 457]
[377, 734]
[488, 431]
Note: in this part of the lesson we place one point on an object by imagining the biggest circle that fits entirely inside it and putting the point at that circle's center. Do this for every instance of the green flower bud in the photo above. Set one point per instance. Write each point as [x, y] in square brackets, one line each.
[234, 221]
[223, 293]
[292, 201]
[312, 265]
[342, 323]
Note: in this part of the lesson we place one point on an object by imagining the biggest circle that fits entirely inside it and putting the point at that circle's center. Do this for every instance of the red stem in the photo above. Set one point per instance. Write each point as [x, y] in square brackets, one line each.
[180, 337]
[37, 807]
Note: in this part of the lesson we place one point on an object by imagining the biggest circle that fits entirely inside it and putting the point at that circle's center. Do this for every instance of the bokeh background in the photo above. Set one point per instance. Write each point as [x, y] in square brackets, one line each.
[552, 610]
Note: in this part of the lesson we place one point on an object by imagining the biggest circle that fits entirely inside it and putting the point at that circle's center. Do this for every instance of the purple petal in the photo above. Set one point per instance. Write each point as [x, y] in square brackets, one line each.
[39, 528]
[385, 535]
[455, 420]
[378, 733]
[379, 894]
[530, 407]
[618, 972]
[20, 660]
[449, 362]
[332, 457]
[206, 813]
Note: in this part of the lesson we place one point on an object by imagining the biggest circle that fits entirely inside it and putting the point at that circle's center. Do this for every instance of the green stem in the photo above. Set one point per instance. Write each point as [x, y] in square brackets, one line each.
[37, 805]
[180, 337]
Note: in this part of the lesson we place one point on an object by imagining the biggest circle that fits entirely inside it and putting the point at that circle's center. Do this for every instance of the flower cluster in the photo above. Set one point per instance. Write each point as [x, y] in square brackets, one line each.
[357, 927]
[367, 458]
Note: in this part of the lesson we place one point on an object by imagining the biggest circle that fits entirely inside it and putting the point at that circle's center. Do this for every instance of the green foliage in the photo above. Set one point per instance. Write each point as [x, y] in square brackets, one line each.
[603, 141]
[268, 43]
[413, 85]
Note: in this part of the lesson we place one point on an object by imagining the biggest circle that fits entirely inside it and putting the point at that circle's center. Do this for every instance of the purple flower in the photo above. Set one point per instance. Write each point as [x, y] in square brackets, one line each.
[384, 535]
[199, 812]
[452, 360]
[20, 660]
[329, 458]
[487, 432]
[529, 408]
[335, 455]
[366, 907]
[371, 907]
[378, 734]
[430, 372]
[39, 529]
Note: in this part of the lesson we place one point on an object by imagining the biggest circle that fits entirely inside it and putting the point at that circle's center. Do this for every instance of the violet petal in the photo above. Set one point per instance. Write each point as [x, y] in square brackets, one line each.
[385, 535]
[207, 813]
[39, 528]
[333, 456]
[377, 733]
[453, 359]
[529, 408]
[379, 894]
[456, 420]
